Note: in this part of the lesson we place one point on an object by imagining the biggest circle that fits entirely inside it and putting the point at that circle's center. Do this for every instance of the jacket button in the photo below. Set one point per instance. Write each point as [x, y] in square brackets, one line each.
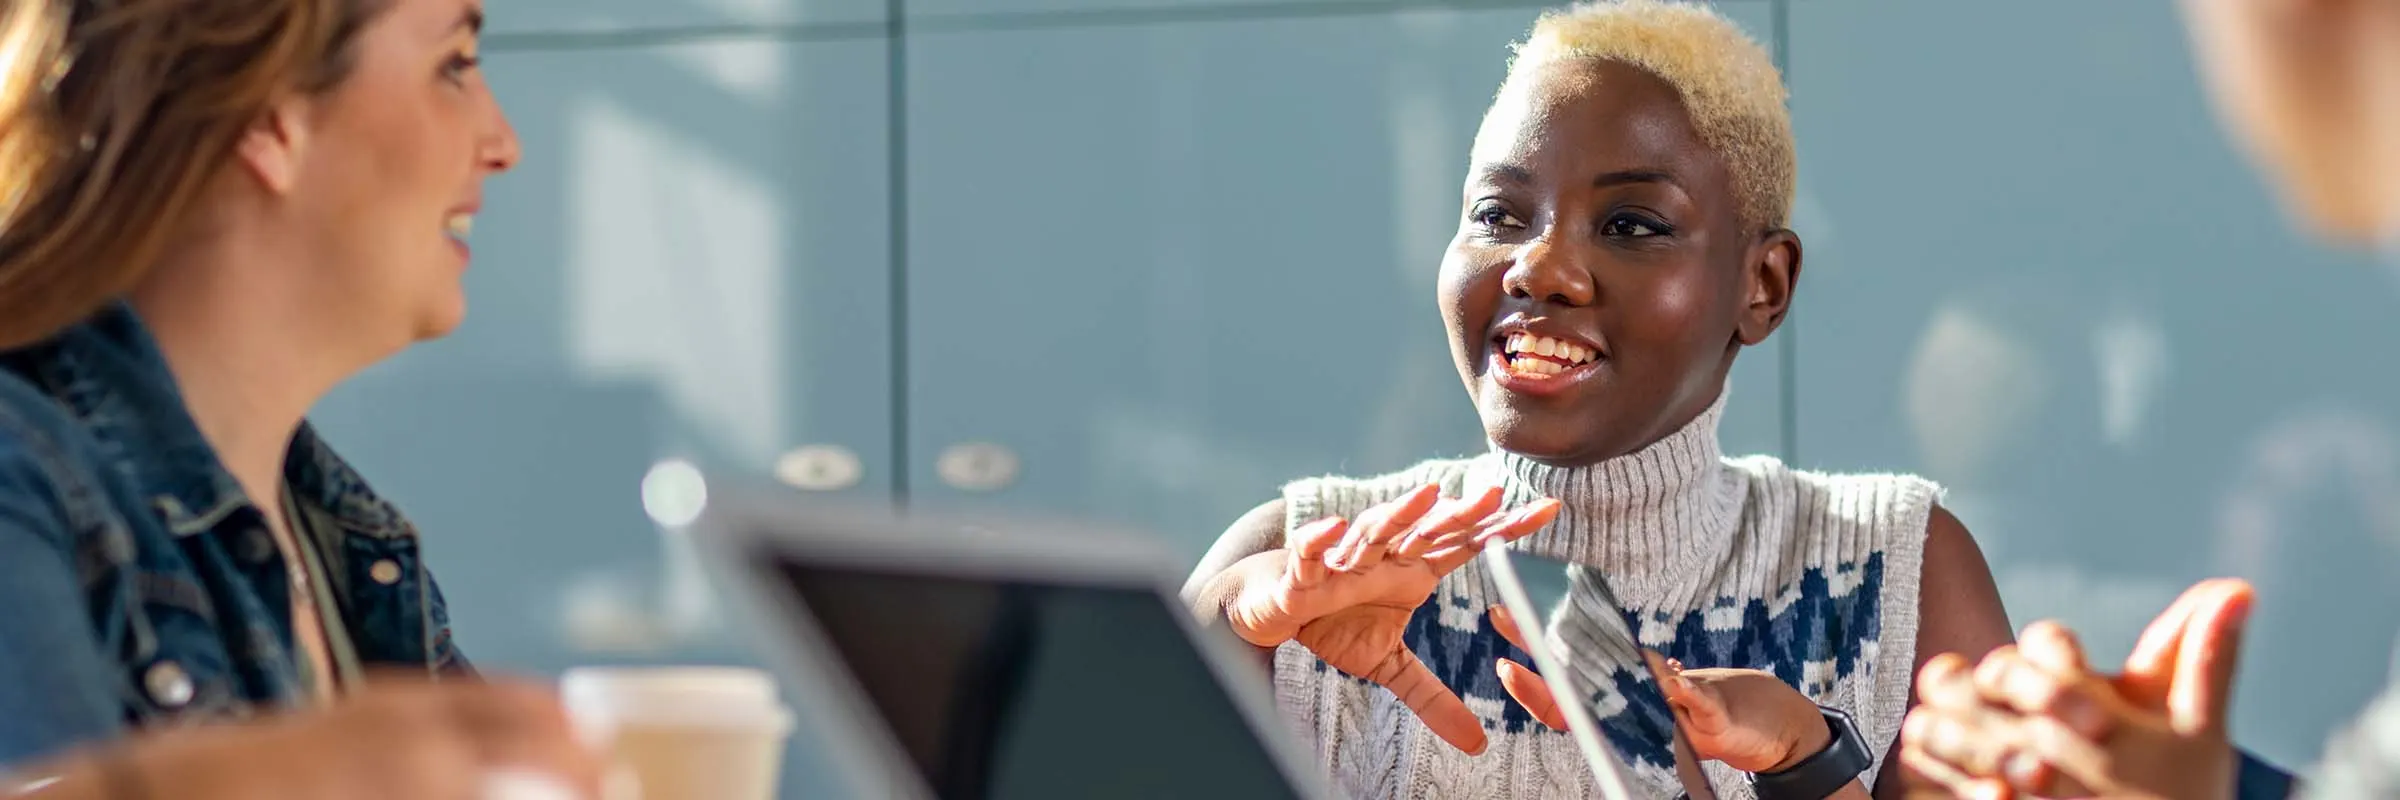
[258, 546]
[169, 685]
[386, 572]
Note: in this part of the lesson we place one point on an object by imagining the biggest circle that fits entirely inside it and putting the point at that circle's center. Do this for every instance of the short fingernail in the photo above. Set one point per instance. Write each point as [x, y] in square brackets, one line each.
[2081, 714]
[2023, 770]
[1943, 737]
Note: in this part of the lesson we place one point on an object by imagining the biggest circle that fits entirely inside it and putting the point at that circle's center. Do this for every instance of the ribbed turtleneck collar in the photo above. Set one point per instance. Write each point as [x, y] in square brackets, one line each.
[1650, 520]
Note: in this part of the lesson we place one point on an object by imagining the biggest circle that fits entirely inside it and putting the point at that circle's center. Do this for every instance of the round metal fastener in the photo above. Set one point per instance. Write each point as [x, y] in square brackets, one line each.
[168, 684]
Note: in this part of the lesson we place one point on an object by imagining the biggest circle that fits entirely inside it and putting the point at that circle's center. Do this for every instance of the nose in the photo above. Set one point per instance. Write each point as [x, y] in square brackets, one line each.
[1543, 270]
[500, 147]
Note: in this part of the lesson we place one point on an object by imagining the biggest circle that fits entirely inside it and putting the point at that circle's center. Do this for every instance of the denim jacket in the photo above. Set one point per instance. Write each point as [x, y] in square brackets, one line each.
[139, 586]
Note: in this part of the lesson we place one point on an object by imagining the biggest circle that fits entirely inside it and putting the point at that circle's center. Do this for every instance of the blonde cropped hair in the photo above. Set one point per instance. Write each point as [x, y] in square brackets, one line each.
[1727, 81]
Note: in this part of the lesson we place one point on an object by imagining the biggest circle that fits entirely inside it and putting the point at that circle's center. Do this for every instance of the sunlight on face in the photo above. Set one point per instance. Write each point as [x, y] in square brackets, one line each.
[399, 153]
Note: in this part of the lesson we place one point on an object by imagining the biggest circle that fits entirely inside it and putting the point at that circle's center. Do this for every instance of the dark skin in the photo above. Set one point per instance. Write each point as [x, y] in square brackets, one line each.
[1594, 214]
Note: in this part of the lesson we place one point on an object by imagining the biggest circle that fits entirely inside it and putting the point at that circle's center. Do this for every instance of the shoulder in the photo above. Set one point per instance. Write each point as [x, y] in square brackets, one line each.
[1885, 511]
[43, 451]
[1958, 602]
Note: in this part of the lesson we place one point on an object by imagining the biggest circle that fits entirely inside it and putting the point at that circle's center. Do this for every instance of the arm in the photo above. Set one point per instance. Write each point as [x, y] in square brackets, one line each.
[1215, 582]
[1958, 611]
[56, 686]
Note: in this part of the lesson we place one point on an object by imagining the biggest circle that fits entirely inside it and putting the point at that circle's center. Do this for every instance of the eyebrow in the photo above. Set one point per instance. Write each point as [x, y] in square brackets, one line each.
[1514, 174]
[1626, 176]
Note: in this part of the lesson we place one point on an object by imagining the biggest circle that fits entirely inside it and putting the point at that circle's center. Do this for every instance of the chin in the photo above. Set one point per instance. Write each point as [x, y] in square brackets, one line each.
[439, 322]
[1536, 436]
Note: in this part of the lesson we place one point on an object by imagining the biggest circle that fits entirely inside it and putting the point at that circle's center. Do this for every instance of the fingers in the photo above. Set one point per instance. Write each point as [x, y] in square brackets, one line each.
[1443, 713]
[1452, 516]
[1532, 517]
[1521, 682]
[1514, 525]
[1532, 692]
[1699, 704]
[2011, 679]
[1375, 529]
[1945, 682]
[519, 725]
[1932, 777]
[2149, 671]
[2201, 694]
[2053, 647]
[1958, 739]
[1507, 625]
[1307, 548]
[2078, 762]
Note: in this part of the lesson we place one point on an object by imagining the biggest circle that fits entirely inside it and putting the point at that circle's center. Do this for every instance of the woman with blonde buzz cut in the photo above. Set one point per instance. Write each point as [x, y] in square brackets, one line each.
[1621, 239]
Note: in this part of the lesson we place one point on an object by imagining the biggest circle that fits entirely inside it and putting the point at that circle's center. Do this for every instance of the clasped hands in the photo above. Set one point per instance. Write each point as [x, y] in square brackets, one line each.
[1345, 590]
[2035, 719]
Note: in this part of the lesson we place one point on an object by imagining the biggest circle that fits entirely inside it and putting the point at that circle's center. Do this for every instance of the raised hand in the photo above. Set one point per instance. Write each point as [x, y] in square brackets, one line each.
[2034, 718]
[1346, 590]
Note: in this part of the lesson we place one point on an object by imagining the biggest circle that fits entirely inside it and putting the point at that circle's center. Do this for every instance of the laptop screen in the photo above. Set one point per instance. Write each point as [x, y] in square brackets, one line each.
[1005, 690]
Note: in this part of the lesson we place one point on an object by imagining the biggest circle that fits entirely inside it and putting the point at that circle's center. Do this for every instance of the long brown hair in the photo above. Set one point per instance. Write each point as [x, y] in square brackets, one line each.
[114, 117]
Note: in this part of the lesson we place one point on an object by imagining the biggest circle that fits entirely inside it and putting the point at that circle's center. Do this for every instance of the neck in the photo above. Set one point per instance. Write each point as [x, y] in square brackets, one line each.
[247, 373]
[1645, 518]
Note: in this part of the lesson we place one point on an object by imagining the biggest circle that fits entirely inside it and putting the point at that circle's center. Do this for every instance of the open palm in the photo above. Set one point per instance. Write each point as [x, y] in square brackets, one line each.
[1347, 591]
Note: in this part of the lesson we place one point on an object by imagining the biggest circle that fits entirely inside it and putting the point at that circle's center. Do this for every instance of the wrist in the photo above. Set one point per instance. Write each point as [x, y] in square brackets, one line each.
[1809, 736]
[1238, 602]
[1824, 758]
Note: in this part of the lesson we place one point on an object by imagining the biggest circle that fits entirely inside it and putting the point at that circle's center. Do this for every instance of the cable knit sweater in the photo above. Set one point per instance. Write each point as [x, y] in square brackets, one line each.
[1718, 562]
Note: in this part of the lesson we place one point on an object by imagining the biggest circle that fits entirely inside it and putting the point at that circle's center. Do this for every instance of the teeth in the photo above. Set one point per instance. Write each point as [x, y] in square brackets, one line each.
[460, 225]
[1527, 344]
[1535, 366]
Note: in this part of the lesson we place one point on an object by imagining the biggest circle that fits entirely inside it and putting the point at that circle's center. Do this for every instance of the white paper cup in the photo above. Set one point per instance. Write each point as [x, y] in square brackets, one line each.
[684, 733]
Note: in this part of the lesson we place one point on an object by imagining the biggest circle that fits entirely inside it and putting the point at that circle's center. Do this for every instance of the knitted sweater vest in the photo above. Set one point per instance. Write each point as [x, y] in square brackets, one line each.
[1718, 563]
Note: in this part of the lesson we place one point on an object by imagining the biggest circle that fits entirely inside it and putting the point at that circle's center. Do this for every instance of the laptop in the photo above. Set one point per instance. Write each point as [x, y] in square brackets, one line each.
[955, 659]
[999, 661]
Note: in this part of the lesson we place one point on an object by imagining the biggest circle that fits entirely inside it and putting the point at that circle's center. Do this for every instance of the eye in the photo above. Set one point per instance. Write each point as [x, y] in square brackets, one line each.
[456, 67]
[1634, 226]
[1491, 215]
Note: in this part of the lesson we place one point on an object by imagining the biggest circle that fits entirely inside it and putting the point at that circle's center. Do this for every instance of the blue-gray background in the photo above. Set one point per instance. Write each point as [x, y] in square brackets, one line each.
[1170, 253]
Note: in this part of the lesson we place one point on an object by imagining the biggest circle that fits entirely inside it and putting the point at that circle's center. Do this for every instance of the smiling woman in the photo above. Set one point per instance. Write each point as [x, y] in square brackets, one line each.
[211, 213]
[1621, 240]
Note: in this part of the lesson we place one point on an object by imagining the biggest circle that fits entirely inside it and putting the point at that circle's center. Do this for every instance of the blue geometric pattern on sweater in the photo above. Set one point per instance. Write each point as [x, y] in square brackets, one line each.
[1818, 628]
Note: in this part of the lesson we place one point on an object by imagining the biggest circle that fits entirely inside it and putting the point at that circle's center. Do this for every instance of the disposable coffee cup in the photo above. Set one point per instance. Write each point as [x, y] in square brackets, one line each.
[682, 733]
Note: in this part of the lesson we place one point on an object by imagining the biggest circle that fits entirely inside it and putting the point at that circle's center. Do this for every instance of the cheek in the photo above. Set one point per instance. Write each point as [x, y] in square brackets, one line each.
[1683, 313]
[1467, 291]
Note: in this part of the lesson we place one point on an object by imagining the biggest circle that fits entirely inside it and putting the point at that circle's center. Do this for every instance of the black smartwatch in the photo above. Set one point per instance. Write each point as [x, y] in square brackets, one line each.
[1818, 776]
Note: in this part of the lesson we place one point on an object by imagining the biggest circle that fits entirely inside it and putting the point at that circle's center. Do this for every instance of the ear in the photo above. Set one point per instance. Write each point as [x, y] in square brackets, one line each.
[1772, 272]
[275, 145]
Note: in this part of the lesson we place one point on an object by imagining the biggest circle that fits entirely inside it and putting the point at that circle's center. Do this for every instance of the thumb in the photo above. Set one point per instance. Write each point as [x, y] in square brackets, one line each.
[2202, 692]
[1531, 692]
[1702, 708]
[1441, 709]
[2150, 669]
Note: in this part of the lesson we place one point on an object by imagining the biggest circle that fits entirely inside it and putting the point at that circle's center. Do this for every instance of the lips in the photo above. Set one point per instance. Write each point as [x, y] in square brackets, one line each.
[1535, 362]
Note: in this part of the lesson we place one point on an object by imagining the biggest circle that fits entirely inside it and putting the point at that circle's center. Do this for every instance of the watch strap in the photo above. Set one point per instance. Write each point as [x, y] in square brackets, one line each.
[1818, 776]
